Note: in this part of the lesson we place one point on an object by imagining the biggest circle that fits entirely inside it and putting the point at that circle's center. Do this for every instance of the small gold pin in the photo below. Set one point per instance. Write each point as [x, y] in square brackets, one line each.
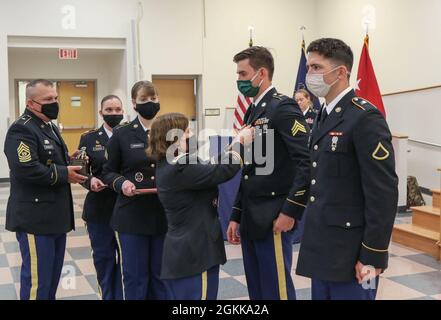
[42, 126]
[97, 142]
[100, 133]
[338, 109]
[264, 104]
[135, 126]
[46, 141]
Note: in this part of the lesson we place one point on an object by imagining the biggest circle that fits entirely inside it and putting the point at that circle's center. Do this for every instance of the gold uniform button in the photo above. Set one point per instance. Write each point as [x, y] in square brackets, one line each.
[273, 193]
[36, 199]
[348, 224]
[313, 182]
[245, 177]
[316, 147]
[152, 165]
[153, 178]
[312, 199]
[314, 164]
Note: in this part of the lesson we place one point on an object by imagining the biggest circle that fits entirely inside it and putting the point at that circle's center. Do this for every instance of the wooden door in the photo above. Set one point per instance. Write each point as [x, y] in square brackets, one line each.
[77, 110]
[177, 95]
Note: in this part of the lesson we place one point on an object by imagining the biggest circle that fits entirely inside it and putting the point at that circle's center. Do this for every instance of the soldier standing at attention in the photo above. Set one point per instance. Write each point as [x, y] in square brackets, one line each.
[354, 188]
[100, 201]
[272, 194]
[40, 208]
[138, 219]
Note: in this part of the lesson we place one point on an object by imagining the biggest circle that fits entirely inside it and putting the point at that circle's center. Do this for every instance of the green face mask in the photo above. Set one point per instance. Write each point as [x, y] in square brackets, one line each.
[246, 87]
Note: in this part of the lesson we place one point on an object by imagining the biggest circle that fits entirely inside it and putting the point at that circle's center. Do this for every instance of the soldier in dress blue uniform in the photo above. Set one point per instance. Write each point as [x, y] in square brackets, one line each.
[138, 219]
[100, 201]
[273, 190]
[40, 208]
[187, 187]
[303, 99]
[353, 195]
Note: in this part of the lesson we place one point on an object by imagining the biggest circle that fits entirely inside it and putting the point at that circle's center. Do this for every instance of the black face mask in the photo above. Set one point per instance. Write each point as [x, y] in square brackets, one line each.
[50, 110]
[148, 110]
[192, 144]
[112, 119]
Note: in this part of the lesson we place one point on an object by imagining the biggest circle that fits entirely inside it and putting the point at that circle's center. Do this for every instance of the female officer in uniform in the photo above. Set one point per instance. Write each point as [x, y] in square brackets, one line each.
[100, 201]
[194, 246]
[138, 219]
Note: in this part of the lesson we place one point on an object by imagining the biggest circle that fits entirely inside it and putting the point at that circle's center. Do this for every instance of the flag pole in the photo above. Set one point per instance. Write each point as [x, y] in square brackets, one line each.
[302, 30]
[251, 29]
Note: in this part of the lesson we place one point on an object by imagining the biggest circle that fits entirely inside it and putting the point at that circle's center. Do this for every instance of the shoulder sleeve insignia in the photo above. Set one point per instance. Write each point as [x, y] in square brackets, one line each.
[380, 153]
[24, 152]
[297, 127]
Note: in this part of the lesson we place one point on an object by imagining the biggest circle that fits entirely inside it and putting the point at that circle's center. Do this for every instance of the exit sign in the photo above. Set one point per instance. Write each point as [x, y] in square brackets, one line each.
[68, 54]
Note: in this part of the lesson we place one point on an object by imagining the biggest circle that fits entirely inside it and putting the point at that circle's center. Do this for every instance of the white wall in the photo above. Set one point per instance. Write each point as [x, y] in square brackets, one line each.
[276, 26]
[405, 46]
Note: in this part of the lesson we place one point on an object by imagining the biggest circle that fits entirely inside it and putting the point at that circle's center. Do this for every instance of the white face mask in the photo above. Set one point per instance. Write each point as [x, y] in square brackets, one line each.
[317, 85]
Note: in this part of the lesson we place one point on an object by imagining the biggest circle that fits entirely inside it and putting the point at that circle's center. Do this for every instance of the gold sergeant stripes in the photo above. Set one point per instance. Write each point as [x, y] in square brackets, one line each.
[297, 127]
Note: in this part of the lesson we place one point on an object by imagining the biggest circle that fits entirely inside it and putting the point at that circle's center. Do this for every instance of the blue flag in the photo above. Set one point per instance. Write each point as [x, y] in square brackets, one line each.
[301, 76]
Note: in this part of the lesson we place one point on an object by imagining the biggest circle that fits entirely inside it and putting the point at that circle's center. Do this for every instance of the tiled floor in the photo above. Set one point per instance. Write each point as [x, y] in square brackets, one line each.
[411, 274]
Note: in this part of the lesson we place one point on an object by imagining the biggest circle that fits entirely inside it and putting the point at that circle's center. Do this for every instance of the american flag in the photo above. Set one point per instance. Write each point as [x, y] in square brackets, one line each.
[241, 108]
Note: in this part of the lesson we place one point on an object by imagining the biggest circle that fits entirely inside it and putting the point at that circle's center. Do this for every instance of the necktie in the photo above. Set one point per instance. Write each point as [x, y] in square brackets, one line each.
[53, 132]
[250, 111]
[324, 115]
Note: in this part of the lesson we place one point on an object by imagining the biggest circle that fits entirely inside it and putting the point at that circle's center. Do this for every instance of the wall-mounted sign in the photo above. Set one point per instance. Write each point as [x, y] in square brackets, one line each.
[68, 53]
[75, 101]
[212, 112]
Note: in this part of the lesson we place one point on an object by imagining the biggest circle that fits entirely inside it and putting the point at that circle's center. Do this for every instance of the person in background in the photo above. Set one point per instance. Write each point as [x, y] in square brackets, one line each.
[100, 200]
[303, 99]
[187, 187]
[40, 207]
[138, 219]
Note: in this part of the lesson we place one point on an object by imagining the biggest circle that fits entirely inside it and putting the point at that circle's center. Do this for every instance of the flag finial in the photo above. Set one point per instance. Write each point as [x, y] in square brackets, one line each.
[251, 30]
[302, 30]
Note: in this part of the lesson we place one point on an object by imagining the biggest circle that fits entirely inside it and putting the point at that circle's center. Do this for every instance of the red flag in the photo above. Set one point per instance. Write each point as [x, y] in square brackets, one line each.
[367, 86]
[241, 108]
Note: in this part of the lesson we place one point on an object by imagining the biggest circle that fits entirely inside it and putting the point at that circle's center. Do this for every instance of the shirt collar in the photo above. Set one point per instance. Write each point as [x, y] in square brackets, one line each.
[329, 107]
[108, 132]
[142, 125]
[256, 101]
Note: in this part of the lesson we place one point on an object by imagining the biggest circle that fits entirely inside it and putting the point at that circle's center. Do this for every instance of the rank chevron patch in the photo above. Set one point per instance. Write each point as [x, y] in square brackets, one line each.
[24, 153]
[297, 127]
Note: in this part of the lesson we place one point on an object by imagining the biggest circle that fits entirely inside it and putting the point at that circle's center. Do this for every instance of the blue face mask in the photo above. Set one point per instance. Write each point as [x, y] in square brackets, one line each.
[246, 87]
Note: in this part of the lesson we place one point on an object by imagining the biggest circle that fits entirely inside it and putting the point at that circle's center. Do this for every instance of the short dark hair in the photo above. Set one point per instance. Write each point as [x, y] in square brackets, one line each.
[259, 57]
[333, 49]
[109, 97]
[31, 85]
[158, 144]
[144, 84]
